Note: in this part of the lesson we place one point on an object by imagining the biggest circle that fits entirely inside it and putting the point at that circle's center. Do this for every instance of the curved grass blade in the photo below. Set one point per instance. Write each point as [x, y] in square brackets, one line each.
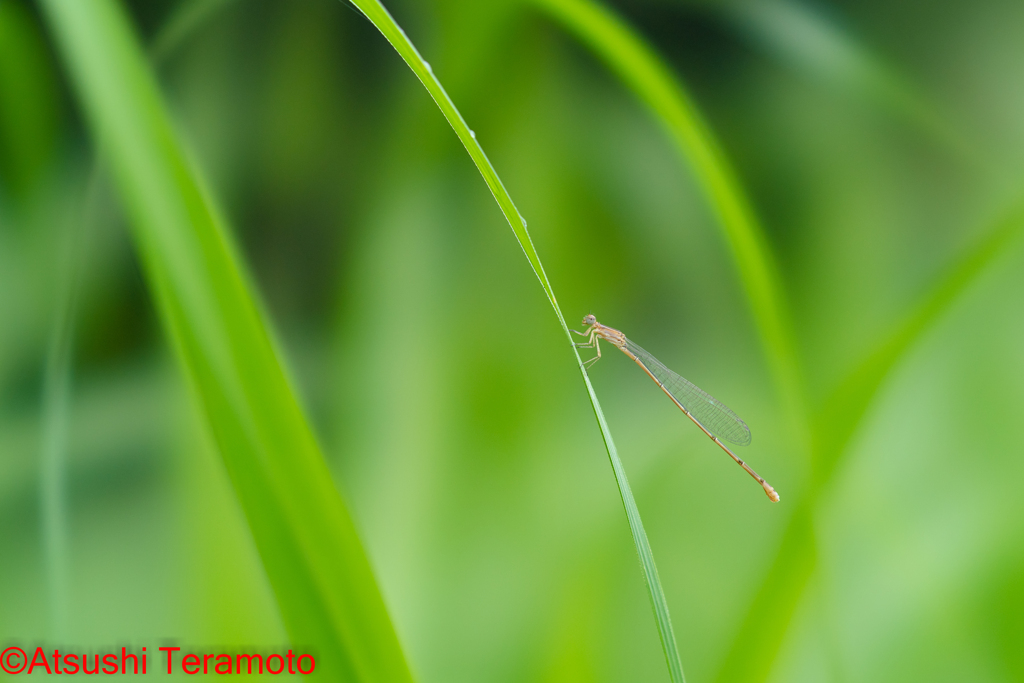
[380, 17]
[642, 70]
[186, 17]
[811, 43]
[758, 641]
[325, 588]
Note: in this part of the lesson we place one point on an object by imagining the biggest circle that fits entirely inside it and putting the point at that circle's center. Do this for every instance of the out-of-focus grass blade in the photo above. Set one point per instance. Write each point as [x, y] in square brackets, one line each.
[757, 643]
[56, 411]
[380, 17]
[324, 585]
[842, 412]
[29, 117]
[809, 42]
[640, 68]
[186, 17]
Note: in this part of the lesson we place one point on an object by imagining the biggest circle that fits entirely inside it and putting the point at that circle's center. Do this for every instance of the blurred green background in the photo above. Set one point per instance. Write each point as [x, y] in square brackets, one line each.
[878, 142]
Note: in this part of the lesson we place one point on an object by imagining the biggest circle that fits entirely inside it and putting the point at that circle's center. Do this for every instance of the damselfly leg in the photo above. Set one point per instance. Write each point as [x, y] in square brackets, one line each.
[592, 343]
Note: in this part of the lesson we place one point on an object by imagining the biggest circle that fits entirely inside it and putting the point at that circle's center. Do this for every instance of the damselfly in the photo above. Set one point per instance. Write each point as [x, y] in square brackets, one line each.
[707, 412]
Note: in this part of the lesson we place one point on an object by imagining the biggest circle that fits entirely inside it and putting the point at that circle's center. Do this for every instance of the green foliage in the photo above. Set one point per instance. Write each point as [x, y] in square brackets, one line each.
[397, 37]
[307, 541]
[880, 374]
[640, 68]
[781, 591]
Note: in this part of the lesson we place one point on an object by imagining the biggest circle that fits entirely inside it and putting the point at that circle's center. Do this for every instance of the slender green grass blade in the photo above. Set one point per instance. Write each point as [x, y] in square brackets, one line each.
[307, 541]
[53, 471]
[642, 70]
[56, 412]
[758, 641]
[380, 17]
[29, 116]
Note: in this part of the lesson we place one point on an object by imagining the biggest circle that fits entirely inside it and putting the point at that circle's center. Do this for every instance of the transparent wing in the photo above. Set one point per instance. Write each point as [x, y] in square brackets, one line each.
[711, 413]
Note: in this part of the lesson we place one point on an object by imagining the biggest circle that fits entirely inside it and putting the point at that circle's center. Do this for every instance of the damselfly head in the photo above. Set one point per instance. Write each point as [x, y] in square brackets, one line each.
[589, 320]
